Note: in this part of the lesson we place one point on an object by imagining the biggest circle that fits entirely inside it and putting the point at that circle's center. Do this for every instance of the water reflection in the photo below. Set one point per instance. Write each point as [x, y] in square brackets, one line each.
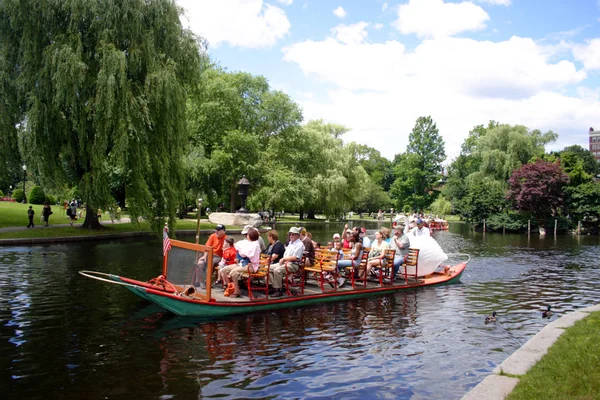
[86, 339]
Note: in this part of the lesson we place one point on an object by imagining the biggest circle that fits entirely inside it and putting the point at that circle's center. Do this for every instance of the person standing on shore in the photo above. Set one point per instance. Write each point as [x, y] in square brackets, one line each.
[46, 212]
[30, 214]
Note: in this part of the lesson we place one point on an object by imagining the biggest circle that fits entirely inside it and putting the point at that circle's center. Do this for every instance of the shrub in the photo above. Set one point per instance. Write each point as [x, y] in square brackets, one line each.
[1, 194]
[37, 196]
[50, 199]
[18, 195]
[513, 222]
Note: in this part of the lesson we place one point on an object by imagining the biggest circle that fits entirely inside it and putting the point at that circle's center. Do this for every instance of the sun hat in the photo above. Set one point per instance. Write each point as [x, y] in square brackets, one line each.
[336, 235]
[246, 229]
[294, 230]
[220, 227]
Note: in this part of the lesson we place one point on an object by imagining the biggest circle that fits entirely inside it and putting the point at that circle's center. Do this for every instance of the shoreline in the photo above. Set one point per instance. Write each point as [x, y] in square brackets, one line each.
[109, 236]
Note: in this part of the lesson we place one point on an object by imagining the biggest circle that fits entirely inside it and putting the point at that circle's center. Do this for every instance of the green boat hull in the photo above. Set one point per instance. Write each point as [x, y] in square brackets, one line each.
[184, 306]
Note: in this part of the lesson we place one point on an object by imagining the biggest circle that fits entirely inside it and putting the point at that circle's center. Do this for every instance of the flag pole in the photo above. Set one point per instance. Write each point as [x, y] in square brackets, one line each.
[165, 254]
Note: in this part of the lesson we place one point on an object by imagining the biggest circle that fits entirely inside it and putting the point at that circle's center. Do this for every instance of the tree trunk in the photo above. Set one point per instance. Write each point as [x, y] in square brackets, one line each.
[311, 214]
[91, 219]
[301, 214]
[120, 195]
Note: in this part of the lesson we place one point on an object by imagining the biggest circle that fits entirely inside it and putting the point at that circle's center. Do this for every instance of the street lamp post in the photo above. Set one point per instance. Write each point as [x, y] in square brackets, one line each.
[198, 221]
[24, 180]
[243, 189]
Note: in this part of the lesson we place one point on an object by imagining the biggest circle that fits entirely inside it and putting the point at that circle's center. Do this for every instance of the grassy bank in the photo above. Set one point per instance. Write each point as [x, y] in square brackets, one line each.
[15, 215]
[570, 369]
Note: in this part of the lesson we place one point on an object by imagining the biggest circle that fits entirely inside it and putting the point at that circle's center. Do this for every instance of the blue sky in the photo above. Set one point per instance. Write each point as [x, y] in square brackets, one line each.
[375, 66]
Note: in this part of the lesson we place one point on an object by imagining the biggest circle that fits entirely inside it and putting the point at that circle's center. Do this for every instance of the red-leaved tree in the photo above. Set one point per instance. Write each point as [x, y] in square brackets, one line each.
[538, 189]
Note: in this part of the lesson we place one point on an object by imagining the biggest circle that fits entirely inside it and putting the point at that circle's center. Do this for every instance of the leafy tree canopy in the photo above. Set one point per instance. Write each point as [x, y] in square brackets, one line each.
[537, 188]
[418, 170]
[102, 84]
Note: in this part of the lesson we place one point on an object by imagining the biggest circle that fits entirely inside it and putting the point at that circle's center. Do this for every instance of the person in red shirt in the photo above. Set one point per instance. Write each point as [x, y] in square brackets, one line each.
[228, 261]
[216, 242]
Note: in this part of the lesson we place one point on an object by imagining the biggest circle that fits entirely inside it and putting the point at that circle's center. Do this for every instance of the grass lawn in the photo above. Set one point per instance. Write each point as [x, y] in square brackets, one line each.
[15, 214]
[570, 369]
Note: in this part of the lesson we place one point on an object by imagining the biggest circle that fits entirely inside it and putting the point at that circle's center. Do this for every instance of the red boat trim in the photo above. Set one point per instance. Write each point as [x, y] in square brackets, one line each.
[458, 268]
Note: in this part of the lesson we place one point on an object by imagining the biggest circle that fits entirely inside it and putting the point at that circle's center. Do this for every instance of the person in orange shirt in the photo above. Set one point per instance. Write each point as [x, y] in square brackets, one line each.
[216, 242]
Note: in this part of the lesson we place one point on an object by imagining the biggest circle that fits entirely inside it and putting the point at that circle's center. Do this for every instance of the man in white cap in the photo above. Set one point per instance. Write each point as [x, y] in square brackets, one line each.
[420, 229]
[291, 258]
[261, 242]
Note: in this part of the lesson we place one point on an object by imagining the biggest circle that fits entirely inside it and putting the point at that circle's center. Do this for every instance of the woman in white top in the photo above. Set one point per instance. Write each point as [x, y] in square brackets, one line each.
[248, 254]
[377, 252]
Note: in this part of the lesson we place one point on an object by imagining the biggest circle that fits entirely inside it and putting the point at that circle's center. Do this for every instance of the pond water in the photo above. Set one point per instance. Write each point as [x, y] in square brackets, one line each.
[65, 336]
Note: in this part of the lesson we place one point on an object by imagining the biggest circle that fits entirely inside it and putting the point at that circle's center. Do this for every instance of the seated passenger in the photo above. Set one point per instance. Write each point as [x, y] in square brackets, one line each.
[399, 243]
[378, 248]
[248, 255]
[355, 253]
[228, 261]
[291, 258]
[276, 248]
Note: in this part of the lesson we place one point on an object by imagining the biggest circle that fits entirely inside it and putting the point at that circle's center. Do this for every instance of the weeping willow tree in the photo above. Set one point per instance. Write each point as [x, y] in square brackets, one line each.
[102, 87]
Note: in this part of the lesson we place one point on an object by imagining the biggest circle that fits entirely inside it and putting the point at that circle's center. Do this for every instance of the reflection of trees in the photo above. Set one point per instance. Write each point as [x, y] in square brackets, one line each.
[243, 352]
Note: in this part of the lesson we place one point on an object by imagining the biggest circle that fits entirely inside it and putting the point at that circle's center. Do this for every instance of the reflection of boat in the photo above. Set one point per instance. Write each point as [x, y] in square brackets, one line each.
[173, 292]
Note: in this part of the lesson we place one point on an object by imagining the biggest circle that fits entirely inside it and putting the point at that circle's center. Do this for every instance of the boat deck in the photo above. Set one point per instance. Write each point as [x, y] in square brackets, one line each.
[312, 288]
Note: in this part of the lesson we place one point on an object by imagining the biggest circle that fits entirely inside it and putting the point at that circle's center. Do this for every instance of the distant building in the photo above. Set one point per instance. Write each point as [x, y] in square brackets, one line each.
[595, 143]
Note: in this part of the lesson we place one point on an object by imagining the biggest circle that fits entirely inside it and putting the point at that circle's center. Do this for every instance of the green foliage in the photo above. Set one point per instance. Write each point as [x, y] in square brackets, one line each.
[584, 200]
[468, 162]
[407, 209]
[37, 195]
[477, 177]
[18, 195]
[418, 170]
[239, 113]
[510, 221]
[378, 167]
[505, 148]
[483, 197]
[1, 194]
[372, 197]
[101, 88]
[441, 207]
[50, 199]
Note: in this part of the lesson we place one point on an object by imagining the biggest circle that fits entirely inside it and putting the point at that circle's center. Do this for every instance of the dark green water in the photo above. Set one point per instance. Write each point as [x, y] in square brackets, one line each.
[64, 336]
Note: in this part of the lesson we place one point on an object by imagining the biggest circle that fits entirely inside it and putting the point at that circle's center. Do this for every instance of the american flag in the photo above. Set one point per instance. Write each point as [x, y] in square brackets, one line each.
[166, 241]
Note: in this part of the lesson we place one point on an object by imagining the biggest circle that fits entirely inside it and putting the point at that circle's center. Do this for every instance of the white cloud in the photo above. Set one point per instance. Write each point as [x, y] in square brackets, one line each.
[496, 2]
[380, 89]
[434, 18]
[377, 26]
[384, 6]
[240, 23]
[340, 12]
[286, 2]
[350, 34]
[588, 54]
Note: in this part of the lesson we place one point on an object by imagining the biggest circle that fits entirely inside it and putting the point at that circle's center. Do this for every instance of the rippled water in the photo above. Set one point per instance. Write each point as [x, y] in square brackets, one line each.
[69, 337]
